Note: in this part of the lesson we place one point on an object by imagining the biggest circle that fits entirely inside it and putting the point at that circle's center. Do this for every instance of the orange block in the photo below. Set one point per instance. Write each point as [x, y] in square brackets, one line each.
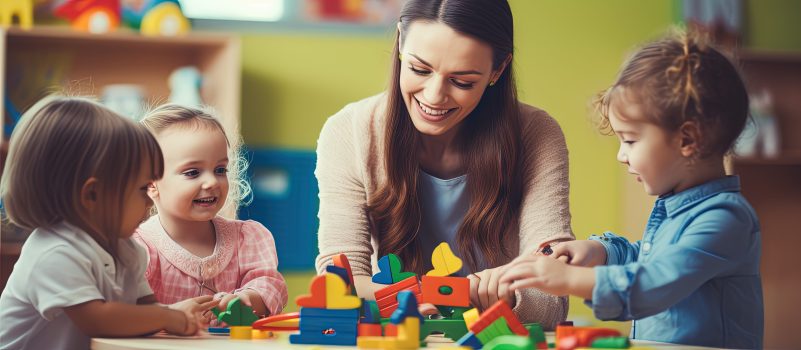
[387, 297]
[369, 330]
[499, 309]
[341, 260]
[459, 294]
[407, 284]
[317, 297]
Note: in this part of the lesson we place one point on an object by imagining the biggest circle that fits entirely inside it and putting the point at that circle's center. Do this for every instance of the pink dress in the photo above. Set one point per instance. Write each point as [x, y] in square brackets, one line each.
[244, 258]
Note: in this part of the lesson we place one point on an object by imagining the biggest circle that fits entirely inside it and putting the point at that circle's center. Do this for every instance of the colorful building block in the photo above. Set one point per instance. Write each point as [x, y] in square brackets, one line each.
[470, 317]
[236, 314]
[318, 295]
[369, 330]
[537, 335]
[509, 342]
[446, 291]
[327, 327]
[391, 270]
[499, 310]
[339, 271]
[453, 329]
[341, 260]
[337, 295]
[370, 312]
[570, 337]
[444, 261]
[495, 329]
[408, 337]
[386, 298]
[407, 307]
[470, 339]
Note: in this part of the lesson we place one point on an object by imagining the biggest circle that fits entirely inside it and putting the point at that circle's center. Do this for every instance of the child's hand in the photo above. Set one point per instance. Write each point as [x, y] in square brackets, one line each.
[225, 298]
[580, 253]
[190, 317]
[549, 275]
[486, 289]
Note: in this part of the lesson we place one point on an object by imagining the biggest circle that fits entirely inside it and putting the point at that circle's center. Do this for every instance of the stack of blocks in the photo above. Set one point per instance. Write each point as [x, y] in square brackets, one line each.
[330, 314]
[496, 321]
[407, 320]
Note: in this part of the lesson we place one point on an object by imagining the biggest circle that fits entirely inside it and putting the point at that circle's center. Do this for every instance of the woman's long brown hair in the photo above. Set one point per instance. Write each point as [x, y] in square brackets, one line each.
[489, 139]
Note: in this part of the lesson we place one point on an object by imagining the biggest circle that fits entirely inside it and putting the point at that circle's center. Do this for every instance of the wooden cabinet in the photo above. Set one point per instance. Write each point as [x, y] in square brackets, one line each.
[773, 187]
[56, 59]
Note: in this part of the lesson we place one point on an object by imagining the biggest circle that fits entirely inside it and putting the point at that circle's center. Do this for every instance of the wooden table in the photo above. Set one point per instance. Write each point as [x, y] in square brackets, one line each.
[218, 342]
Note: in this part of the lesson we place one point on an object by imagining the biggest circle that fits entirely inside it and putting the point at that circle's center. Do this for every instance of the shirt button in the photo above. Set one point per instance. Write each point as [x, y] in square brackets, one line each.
[646, 247]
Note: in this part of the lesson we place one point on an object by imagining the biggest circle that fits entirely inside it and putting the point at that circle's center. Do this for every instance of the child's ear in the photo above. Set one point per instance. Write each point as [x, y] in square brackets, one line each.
[152, 191]
[689, 136]
[89, 194]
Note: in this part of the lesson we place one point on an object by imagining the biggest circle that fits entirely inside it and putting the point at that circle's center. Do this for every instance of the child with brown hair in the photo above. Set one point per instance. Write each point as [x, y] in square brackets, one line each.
[677, 107]
[77, 175]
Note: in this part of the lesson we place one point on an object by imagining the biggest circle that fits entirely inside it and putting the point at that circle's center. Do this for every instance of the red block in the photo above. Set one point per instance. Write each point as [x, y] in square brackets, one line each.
[369, 330]
[499, 309]
[460, 295]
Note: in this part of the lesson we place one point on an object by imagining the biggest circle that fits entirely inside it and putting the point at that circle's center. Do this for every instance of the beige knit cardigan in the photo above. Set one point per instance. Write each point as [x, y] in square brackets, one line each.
[350, 165]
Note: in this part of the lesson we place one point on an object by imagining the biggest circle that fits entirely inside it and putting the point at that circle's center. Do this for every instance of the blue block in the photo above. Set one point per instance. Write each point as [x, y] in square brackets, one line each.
[470, 340]
[407, 307]
[323, 339]
[370, 312]
[329, 313]
[339, 271]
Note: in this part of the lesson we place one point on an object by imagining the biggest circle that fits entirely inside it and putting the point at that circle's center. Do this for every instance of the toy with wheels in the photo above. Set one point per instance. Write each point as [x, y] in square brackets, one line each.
[93, 16]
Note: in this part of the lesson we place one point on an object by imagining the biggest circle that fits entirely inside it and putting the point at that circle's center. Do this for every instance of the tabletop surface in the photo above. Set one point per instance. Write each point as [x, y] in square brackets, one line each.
[281, 341]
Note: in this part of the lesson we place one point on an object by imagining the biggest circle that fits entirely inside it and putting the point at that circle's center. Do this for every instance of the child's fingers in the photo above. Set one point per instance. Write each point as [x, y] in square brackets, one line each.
[562, 252]
[203, 299]
[207, 305]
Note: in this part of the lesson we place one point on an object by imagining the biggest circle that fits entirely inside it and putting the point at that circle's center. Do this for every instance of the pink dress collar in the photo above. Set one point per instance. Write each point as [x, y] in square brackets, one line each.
[205, 268]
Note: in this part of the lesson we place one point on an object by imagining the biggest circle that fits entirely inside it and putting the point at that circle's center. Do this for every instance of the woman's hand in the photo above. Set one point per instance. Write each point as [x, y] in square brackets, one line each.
[580, 253]
[549, 275]
[189, 316]
[486, 289]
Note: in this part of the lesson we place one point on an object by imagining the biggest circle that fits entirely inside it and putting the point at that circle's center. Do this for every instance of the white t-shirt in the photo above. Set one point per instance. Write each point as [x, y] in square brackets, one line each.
[62, 266]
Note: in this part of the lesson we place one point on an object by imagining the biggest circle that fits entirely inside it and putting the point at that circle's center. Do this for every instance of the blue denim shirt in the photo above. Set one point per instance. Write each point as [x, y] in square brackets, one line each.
[694, 276]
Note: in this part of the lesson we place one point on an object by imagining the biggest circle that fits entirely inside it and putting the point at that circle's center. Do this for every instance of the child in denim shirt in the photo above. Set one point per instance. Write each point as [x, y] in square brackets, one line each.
[677, 107]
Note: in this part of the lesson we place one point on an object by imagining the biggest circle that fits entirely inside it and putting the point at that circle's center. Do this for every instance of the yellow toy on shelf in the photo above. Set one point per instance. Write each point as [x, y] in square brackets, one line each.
[23, 9]
[165, 19]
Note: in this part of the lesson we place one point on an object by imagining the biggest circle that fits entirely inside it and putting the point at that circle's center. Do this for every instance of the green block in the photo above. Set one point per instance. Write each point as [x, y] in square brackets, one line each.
[453, 329]
[509, 342]
[495, 329]
[236, 314]
[535, 333]
[611, 343]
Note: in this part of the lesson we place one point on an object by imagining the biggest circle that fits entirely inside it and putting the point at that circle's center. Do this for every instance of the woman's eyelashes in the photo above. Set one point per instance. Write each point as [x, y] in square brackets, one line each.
[456, 82]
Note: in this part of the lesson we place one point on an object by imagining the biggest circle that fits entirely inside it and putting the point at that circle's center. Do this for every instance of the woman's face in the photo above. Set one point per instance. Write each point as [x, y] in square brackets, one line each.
[443, 75]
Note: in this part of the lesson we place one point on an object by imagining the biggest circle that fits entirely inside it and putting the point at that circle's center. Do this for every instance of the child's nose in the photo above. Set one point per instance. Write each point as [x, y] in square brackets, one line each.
[622, 156]
[210, 182]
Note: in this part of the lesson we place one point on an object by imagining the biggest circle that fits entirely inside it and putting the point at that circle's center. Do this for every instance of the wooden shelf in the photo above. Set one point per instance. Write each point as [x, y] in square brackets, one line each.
[47, 59]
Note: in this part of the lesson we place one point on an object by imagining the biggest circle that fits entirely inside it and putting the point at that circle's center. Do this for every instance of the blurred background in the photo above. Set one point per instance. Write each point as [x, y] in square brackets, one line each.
[277, 69]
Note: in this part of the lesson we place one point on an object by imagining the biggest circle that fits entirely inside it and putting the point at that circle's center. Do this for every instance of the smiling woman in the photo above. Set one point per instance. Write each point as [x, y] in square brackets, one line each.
[447, 153]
